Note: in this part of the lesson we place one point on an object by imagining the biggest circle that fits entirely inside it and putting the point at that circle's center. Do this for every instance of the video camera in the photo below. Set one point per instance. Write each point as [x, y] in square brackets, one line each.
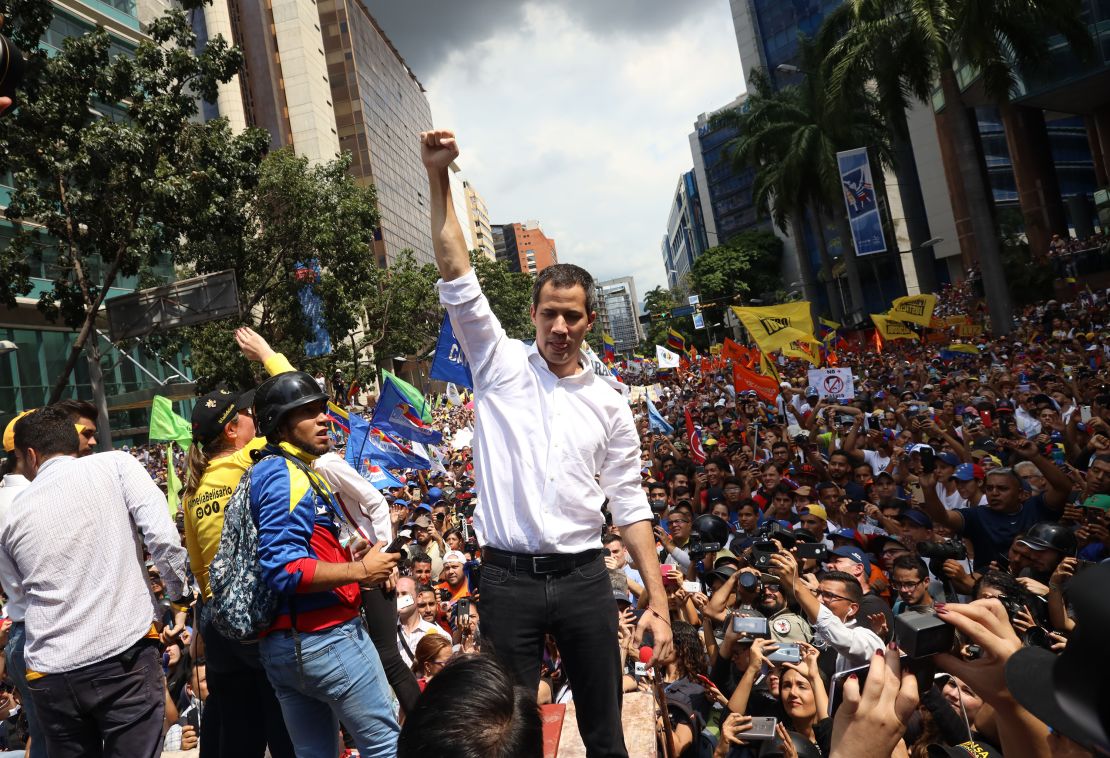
[708, 534]
[763, 547]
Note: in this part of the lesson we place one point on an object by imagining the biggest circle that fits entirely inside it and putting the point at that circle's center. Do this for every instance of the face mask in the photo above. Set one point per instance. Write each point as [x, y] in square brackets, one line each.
[658, 505]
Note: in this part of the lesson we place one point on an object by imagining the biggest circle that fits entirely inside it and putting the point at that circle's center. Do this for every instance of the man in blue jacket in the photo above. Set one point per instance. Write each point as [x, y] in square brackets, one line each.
[317, 653]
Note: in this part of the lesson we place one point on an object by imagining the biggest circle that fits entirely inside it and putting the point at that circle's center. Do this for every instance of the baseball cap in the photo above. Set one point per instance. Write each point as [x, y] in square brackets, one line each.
[1102, 502]
[434, 494]
[920, 518]
[885, 474]
[212, 412]
[453, 556]
[811, 392]
[965, 472]
[854, 553]
[9, 432]
[847, 534]
[816, 510]
[950, 458]
[1065, 691]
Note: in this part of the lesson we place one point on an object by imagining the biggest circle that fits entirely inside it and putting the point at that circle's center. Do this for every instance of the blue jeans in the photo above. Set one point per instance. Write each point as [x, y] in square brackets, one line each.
[342, 681]
[17, 670]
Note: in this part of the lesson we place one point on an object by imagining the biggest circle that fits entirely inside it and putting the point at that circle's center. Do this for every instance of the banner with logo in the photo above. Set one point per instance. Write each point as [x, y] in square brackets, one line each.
[308, 273]
[916, 309]
[766, 387]
[860, 200]
[773, 326]
[891, 329]
[832, 382]
[665, 357]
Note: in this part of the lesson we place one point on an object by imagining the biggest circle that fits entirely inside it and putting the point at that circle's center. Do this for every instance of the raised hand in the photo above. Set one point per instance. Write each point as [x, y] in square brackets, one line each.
[438, 149]
[253, 346]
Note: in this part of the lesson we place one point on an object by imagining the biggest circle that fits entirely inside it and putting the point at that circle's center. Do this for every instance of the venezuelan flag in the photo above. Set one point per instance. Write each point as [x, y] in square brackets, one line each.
[609, 348]
[676, 341]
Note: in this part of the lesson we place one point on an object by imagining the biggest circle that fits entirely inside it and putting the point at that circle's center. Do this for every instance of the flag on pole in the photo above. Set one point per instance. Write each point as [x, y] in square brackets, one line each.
[891, 329]
[665, 357]
[676, 341]
[765, 387]
[773, 326]
[916, 309]
[167, 426]
[656, 420]
[767, 367]
[398, 412]
[693, 436]
[608, 348]
[380, 447]
[449, 363]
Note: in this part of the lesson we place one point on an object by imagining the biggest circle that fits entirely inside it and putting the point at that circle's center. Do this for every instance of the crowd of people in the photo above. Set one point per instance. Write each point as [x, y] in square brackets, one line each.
[908, 568]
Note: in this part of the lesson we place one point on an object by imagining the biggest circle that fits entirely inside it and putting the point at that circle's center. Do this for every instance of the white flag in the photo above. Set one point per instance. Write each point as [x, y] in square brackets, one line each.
[666, 358]
[453, 394]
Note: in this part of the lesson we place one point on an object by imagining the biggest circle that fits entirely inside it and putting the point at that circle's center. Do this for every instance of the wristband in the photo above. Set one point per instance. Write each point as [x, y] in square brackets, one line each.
[655, 613]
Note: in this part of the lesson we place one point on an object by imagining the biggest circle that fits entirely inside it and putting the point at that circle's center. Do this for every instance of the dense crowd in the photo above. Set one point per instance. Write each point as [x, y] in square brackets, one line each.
[906, 567]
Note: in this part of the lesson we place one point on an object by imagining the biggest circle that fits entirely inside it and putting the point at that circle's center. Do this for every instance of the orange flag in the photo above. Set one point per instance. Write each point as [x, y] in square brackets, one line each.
[765, 386]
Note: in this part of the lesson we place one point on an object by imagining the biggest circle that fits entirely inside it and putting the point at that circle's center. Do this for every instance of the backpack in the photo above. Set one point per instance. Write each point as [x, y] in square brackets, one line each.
[242, 603]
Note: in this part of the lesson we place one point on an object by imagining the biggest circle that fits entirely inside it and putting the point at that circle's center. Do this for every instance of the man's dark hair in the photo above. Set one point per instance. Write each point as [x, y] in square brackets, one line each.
[853, 590]
[778, 445]
[425, 588]
[910, 563]
[732, 480]
[842, 454]
[770, 465]
[420, 558]
[719, 462]
[565, 276]
[782, 489]
[684, 508]
[657, 486]
[610, 538]
[77, 409]
[472, 709]
[749, 503]
[48, 431]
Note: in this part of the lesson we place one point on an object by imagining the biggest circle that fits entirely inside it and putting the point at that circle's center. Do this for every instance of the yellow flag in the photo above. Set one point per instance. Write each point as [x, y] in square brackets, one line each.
[804, 349]
[773, 326]
[828, 323]
[960, 347]
[891, 329]
[767, 367]
[916, 309]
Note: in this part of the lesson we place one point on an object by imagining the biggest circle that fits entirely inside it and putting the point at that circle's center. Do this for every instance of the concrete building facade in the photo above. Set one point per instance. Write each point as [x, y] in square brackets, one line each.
[477, 221]
[623, 313]
[524, 247]
[686, 236]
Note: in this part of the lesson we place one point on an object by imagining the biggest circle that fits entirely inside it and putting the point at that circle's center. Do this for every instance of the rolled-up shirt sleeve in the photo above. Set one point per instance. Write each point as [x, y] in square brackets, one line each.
[620, 473]
[476, 327]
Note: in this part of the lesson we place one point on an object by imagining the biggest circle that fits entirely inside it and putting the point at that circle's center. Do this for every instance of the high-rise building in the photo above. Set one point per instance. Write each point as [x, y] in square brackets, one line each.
[283, 84]
[686, 236]
[477, 219]
[623, 312]
[524, 247]
[380, 108]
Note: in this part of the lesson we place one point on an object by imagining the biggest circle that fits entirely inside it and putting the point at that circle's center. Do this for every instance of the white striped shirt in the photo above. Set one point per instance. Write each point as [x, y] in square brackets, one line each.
[73, 538]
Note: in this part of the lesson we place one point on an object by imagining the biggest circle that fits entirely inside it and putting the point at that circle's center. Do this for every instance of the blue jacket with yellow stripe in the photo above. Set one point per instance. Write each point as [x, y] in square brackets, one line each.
[296, 530]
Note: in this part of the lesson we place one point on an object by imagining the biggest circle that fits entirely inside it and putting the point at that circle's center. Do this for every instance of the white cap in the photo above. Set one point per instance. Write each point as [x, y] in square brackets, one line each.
[454, 556]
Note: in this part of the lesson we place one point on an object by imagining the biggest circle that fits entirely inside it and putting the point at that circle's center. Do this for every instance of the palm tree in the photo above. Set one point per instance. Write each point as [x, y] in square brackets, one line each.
[790, 137]
[997, 39]
[868, 47]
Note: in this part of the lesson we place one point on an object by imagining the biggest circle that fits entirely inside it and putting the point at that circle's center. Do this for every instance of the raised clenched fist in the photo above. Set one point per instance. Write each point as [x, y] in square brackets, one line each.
[438, 149]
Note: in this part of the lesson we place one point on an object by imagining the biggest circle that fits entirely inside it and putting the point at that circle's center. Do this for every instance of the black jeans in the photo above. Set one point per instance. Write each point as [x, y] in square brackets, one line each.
[111, 708]
[380, 612]
[577, 608]
[242, 714]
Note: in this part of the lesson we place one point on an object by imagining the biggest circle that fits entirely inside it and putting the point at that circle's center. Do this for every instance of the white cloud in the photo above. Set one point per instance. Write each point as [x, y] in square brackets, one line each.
[586, 130]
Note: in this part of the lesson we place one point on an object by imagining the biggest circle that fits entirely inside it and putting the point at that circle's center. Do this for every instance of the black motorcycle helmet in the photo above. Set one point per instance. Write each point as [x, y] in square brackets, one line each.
[1050, 536]
[280, 394]
[711, 528]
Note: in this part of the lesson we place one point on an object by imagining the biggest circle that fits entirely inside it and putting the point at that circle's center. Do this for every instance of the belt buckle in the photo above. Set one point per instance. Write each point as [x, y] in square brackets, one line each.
[536, 564]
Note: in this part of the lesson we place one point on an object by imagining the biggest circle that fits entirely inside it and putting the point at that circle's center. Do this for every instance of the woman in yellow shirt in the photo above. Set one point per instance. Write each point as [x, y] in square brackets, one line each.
[242, 714]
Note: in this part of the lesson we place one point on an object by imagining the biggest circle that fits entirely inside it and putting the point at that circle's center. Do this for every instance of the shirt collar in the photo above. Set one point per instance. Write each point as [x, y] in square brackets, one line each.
[584, 371]
[297, 452]
[43, 466]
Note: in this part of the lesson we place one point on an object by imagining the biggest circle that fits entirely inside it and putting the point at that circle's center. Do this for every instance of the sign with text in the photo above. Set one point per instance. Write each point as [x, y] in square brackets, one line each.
[832, 382]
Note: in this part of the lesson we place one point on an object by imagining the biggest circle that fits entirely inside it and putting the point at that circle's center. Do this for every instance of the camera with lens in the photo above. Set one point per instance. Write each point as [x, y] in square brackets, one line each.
[763, 547]
[942, 551]
[708, 534]
[749, 582]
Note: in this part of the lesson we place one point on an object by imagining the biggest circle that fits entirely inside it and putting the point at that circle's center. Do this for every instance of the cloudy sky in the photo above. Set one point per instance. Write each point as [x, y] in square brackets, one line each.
[575, 113]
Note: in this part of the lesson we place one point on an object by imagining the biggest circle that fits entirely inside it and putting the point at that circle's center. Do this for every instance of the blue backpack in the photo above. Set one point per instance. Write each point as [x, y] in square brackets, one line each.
[242, 603]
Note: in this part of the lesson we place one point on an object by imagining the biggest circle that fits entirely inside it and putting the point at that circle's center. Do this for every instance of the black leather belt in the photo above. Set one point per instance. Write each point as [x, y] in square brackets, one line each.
[556, 563]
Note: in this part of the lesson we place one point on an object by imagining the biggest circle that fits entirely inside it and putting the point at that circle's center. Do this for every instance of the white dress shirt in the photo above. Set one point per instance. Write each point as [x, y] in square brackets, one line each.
[365, 507]
[72, 539]
[16, 607]
[540, 440]
[412, 639]
[853, 643]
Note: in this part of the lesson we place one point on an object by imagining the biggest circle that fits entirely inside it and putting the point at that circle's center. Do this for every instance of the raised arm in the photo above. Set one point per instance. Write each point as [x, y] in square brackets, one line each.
[438, 150]
[935, 508]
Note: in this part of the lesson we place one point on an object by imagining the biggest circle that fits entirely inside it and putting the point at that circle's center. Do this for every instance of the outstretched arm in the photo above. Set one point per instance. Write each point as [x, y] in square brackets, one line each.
[438, 149]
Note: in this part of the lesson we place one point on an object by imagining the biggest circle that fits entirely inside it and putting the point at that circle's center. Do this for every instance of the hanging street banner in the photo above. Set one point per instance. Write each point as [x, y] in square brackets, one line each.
[308, 274]
[859, 198]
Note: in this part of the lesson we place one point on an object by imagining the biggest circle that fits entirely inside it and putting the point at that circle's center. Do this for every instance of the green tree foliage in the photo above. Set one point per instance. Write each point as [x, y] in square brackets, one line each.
[747, 265]
[403, 314]
[657, 301]
[509, 294]
[295, 214]
[112, 174]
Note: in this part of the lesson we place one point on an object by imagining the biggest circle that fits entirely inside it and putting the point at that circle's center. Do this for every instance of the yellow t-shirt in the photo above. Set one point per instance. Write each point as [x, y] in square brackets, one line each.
[204, 510]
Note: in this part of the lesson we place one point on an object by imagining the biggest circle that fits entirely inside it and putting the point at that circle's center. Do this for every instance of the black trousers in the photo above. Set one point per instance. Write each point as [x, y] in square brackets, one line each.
[111, 708]
[577, 608]
[380, 612]
[242, 714]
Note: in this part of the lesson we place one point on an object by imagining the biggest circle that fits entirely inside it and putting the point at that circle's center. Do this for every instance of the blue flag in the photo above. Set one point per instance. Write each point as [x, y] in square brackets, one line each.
[656, 420]
[449, 364]
[395, 414]
[380, 448]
